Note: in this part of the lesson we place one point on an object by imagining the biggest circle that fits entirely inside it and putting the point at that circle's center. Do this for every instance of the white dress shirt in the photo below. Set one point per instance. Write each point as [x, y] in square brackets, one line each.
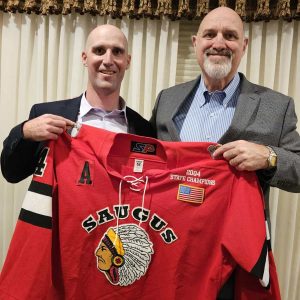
[115, 120]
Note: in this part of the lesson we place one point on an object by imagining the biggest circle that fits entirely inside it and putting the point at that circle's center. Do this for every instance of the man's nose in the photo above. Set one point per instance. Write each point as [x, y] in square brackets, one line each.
[108, 57]
[219, 41]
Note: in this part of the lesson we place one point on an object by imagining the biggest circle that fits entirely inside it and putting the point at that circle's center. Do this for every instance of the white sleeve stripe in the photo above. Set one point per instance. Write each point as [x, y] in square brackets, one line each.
[266, 275]
[38, 203]
[267, 231]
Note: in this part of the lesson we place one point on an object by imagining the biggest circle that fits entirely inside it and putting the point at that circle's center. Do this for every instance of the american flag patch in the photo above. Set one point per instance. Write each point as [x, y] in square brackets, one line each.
[190, 193]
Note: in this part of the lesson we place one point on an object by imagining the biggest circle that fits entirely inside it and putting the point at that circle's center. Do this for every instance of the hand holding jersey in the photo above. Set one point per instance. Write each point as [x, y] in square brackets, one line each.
[45, 127]
[244, 156]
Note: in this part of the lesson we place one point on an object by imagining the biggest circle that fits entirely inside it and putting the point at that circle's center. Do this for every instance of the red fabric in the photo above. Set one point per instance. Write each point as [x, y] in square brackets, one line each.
[247, 286]
[195, 247]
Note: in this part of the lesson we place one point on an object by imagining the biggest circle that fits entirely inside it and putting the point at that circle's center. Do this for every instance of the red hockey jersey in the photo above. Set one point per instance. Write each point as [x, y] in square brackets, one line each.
[111, 216]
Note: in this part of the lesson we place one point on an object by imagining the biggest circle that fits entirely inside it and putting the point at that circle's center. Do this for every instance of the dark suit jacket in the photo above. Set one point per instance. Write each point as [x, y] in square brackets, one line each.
[262, 116]
[19, 157]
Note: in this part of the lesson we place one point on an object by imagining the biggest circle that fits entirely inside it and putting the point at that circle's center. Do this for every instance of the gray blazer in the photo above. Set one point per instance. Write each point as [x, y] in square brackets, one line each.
[262, 116]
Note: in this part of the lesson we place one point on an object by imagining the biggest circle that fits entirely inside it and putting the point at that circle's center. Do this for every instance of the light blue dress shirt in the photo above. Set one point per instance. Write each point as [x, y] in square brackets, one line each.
[205, 116]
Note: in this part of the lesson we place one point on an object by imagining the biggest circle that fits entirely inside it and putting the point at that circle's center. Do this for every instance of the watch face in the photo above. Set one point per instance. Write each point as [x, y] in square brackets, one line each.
[272, 160]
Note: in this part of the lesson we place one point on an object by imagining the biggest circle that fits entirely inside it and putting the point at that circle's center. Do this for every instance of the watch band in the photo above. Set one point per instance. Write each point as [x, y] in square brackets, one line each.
[272, 159]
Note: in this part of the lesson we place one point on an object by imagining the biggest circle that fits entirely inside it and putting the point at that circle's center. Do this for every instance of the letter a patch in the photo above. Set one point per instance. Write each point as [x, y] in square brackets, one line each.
[86, 173]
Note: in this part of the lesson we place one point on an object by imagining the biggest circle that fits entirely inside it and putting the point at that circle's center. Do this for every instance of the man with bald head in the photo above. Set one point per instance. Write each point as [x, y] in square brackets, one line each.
[255, 126]
[106, 59]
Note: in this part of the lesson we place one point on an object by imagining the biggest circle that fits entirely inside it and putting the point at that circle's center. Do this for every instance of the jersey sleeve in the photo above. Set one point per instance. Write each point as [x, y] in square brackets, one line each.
[247, 287]
[245, 236]
[26, 273]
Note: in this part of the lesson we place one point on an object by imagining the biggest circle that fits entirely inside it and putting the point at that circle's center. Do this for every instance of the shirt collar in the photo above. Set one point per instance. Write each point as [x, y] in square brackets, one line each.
[229, 90]
[85, 108]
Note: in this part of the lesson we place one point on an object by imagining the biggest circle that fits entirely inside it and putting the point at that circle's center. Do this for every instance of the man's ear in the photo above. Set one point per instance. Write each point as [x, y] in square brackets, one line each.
[128, 61]
[245, 44]
[194, 39]
[84, 58]
[194, 42]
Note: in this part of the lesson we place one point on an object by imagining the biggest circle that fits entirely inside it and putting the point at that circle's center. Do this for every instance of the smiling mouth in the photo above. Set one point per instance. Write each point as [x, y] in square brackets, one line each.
[107, 72]
[225, 53]
[218, 54]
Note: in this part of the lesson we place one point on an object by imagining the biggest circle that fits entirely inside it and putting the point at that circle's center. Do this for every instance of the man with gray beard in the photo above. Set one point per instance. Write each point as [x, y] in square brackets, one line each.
[254, 126]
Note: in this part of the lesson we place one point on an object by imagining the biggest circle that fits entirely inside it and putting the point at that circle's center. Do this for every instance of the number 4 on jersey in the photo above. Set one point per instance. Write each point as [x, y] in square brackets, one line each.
[41, 165]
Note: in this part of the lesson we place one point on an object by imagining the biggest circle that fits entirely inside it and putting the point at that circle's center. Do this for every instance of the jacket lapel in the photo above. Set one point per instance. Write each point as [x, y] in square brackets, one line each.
[71, 109]
[247, 104]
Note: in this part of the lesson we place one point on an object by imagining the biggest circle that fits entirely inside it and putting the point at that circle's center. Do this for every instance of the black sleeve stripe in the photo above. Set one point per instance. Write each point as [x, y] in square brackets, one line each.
[35, 219]
[258, 269]
[269, 245]
[40, 188]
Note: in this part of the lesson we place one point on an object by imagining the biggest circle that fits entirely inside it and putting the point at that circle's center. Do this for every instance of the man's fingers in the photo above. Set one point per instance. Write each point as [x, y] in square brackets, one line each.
[230, 154]
[237, 146]
[56, 129]
[244, 156]
[45, 127]
[69, 122]
[223, 148]
[236, 160]
[57, 121]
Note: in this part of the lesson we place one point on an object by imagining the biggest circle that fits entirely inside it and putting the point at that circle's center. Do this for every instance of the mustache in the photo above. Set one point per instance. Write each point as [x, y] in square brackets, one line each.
[224, 52]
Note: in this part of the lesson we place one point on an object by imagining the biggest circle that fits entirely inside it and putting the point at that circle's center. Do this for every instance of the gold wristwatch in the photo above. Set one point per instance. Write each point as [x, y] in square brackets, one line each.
[272, 159]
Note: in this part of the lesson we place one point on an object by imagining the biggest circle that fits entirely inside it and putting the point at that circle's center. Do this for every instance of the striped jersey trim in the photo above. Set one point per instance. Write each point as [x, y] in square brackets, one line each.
[261, 268]
[35, 219]
[40, 188]
[38, 203]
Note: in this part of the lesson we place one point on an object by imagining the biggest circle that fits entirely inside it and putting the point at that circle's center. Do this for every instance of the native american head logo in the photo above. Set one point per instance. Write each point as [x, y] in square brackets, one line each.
[124, 254]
